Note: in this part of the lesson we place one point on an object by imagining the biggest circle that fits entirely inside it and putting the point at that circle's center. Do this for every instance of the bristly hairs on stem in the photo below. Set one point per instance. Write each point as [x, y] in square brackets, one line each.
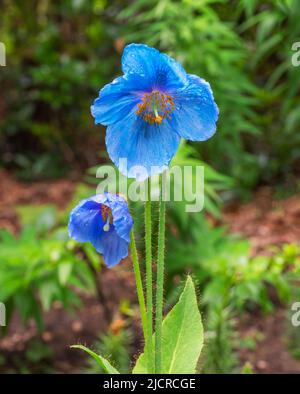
[149, 280]
[139, 283]
[160, 278]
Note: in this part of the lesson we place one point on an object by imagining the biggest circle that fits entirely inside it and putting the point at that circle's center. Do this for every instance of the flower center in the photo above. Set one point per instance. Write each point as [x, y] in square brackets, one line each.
[155, 107]
[106, 216]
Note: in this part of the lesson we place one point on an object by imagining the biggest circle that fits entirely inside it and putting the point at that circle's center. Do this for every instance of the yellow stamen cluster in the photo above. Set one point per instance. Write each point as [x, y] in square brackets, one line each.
[155, 107]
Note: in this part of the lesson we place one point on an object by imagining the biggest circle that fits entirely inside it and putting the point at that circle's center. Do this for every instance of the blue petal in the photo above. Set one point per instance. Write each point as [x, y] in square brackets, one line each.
[159, 69]
[196, 113]
[118, 98]
[141, 144]
[112, 247]
[86, 223]
[122, 219]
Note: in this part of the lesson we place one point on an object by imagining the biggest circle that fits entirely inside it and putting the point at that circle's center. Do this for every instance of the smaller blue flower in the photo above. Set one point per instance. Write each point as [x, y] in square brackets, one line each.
[105, 221]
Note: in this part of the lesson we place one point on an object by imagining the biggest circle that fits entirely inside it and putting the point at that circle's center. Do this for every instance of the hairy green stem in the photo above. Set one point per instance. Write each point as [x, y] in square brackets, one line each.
[149, 293]
[160, 281]
[139, 283]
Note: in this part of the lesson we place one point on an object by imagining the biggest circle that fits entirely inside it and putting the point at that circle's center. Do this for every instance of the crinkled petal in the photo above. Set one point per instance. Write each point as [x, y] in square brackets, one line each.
[118, 98]
[122, 219]
[159, 69]
[112, 247]
[85, 223]
[196, 113]
[143, 144]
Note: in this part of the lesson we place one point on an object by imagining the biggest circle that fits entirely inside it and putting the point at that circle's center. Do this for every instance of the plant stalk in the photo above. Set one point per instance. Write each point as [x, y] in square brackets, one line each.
[160, 281]
[139, 283]
[149, 292]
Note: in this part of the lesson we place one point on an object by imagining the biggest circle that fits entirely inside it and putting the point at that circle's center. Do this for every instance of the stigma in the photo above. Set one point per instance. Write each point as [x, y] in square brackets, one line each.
[155, 107]
[107, 217]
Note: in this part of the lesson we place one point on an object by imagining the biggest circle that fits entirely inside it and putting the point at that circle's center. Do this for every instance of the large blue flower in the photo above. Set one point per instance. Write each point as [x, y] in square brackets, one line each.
[149, 108]
[105, 221]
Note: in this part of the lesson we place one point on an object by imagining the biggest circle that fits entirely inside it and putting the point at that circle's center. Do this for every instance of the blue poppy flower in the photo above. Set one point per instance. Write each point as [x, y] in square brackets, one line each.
[105, 221]
[150, 108]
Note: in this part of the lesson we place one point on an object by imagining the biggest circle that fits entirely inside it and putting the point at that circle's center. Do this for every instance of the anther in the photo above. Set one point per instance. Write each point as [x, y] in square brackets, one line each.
[155, 107]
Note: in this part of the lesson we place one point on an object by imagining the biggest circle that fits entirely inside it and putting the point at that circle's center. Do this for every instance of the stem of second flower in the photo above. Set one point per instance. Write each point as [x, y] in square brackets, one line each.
[139, 283]
[160, 281]
[149, 293]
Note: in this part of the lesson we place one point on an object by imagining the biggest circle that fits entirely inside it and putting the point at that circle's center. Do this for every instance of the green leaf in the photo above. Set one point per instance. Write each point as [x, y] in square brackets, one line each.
[64, 272]
[247, 369]
[104, 364]
[48, 292]
[182, 336]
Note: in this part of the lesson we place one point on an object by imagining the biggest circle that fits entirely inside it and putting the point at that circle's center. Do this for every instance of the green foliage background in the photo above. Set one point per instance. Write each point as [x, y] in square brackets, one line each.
[59, 53]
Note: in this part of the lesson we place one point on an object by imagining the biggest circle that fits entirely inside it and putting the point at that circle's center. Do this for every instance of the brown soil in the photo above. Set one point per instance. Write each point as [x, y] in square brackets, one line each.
[270, 354]
[13, 193]
[83, 326]
[264, 221]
